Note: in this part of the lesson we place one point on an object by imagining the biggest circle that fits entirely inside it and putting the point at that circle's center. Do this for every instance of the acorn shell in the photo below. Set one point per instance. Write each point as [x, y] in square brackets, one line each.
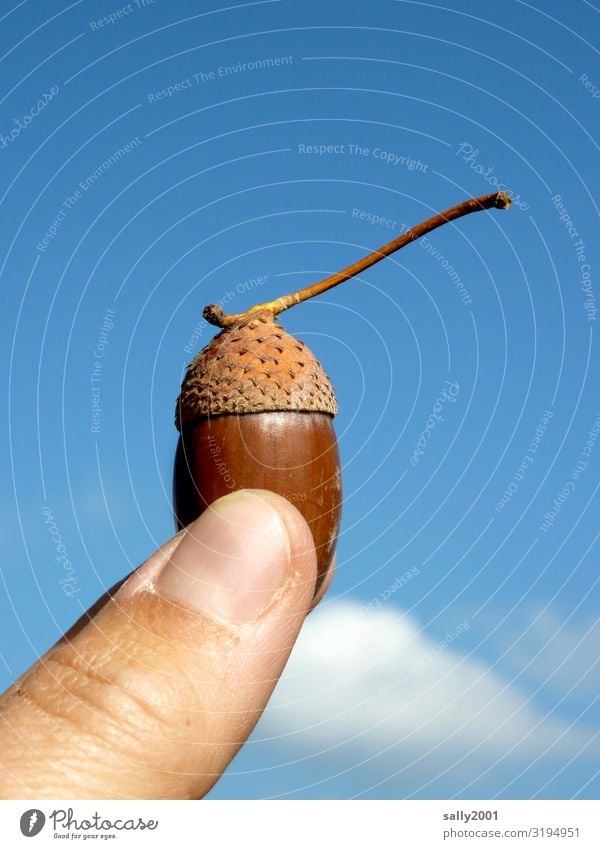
[256, 411]
[294, 454]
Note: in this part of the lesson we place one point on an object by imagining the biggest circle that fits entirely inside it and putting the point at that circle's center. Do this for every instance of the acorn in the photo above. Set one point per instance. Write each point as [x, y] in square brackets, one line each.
[256, 408]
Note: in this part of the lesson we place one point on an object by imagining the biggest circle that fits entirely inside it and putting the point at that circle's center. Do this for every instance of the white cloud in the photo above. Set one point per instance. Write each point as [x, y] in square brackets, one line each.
[375, 681]
[562, 655]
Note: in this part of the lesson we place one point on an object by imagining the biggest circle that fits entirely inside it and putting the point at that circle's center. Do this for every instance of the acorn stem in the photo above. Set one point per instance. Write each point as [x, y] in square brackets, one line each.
[500, 200]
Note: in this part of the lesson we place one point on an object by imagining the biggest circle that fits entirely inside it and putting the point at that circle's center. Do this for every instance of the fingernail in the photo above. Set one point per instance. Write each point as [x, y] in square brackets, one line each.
[231, 562]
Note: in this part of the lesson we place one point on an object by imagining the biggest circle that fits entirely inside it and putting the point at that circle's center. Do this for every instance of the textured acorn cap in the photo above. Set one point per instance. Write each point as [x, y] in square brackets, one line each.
[254, 366]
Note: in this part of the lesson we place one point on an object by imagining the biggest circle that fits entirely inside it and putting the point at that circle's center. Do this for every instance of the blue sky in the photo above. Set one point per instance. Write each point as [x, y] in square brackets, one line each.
[157, 157]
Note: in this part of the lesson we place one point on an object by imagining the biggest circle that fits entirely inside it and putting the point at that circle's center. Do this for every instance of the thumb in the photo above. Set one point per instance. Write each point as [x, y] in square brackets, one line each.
[154, 696]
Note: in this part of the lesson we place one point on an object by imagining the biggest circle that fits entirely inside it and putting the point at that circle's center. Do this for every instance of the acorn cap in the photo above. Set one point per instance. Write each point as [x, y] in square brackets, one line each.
[254, 366]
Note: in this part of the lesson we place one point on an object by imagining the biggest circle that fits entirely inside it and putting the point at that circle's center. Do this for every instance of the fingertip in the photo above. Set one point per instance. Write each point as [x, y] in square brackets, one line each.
[301, 541]
[248, 550]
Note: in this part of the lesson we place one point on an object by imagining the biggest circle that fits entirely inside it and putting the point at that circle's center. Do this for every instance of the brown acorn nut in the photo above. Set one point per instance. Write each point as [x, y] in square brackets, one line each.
[256, 408]
[256, 411]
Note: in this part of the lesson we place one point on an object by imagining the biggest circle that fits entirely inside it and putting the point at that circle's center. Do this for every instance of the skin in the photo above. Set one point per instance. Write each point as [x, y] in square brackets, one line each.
[145, 699]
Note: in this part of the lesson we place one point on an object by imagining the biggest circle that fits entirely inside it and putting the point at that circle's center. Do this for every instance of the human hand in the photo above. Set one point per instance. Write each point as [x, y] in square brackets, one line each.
[151, 694]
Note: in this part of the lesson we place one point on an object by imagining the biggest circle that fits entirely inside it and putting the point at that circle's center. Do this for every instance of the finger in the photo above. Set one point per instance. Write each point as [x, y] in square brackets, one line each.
[89, 614]
[157, 561]
[155, 695]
